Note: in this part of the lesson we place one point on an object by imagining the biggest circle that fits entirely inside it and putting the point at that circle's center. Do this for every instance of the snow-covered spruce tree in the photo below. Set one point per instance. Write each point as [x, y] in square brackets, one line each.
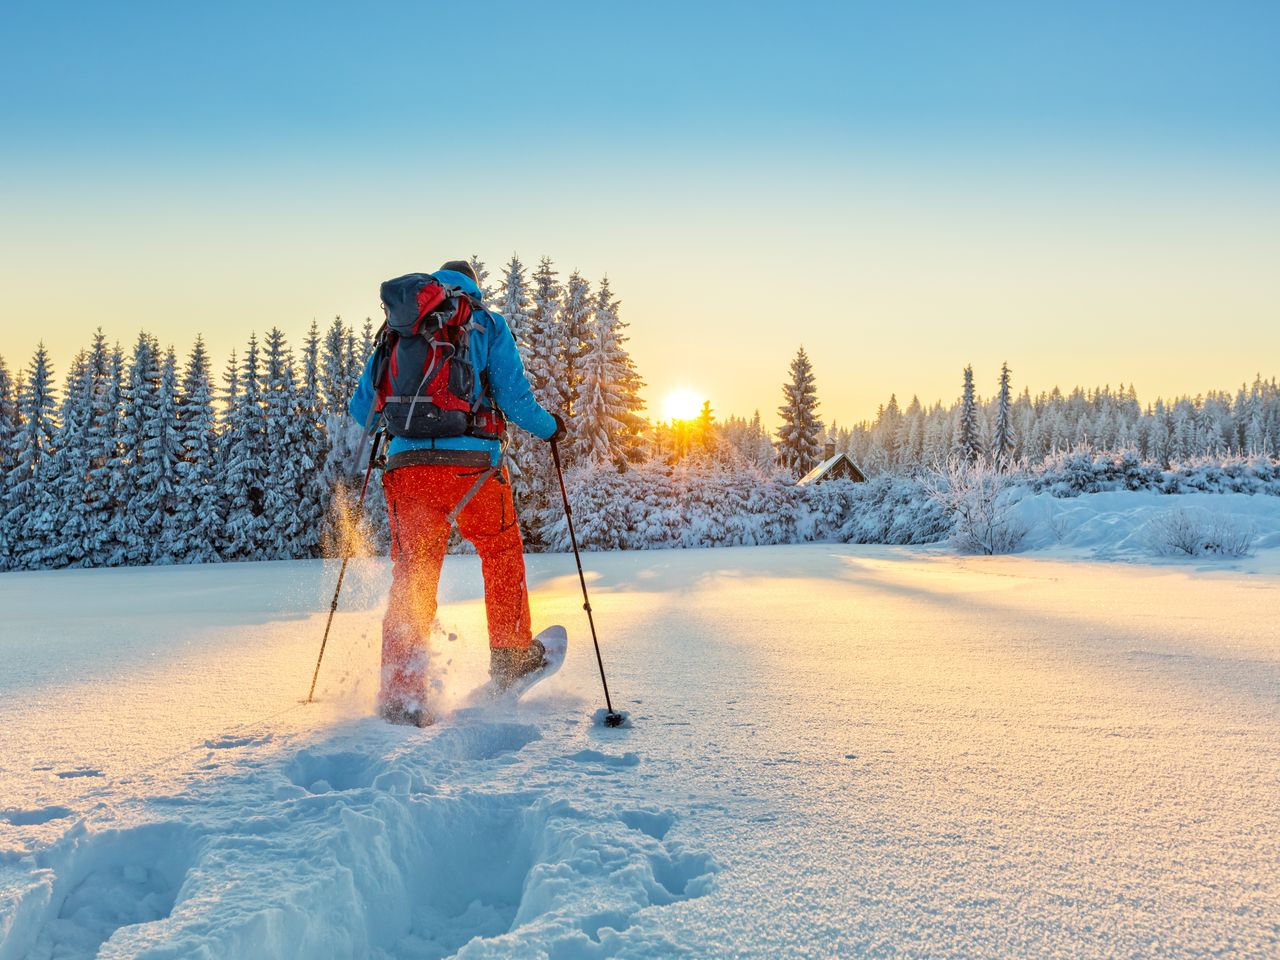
[576, 330]
[37, 403]
[596, 425]
[1026, 440]
[313, 453]
[334, 376]
[800, 436]
[8, 445]
[544, 340]
[512, 302]
[115, 466]
[513, 299]
[1002, 439]
[196, 528]
[1254, 440]
[61, 509]
[968, 439]
[482, 277]
[105, 366]
[230, 401]
[84, 504]
[628, 382]
[364, 351]
[704, 441]
[139, 411]
[544, 363]
[884, 434]
[289, 466]
[608, 424]
[163, 456]
[244, 477]
[910, 438]
[936, 446]
[760, 450]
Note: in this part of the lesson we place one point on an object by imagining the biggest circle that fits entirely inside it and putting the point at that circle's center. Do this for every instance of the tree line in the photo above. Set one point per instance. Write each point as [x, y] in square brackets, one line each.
[138, 458]
[1028, 429]
[1003, 429]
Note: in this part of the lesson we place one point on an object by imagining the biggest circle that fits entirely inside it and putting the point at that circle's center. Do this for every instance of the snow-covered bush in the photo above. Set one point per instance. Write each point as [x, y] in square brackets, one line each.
[653, 506]
[892, 509]
[1198, 533]
[1252, 475]
[1086, 471]
[977, 496]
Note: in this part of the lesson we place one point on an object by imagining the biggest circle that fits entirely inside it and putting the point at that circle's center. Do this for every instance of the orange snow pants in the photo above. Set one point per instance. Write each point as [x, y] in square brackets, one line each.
[419, 499]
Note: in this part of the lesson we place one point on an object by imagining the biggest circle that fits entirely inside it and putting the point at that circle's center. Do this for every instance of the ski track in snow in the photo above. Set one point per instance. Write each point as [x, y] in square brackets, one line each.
[832, 751]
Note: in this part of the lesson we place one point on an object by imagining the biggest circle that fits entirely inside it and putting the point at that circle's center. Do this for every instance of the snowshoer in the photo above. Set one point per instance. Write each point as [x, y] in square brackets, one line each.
[445, 377]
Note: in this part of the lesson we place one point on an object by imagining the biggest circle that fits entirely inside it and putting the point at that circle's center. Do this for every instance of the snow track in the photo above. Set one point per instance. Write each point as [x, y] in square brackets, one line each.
[373, 842]
[834, 751]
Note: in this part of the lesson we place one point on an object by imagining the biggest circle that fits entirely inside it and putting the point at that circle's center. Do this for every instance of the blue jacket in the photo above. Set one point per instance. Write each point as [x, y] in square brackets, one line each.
[492, 348]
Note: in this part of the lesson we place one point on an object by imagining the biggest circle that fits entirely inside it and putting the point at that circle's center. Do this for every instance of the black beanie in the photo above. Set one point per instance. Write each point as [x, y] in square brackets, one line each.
[463, 267]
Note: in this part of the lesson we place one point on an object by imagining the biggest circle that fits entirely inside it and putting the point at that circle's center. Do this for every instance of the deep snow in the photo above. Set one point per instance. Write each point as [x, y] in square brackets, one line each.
[836, 751]
[1123, 525]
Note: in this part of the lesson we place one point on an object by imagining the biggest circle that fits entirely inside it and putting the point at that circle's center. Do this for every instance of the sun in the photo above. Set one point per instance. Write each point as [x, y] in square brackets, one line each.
[682, 404]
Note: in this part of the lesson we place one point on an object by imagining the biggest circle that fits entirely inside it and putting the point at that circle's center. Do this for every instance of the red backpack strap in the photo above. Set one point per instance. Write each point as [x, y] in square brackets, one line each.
[429, 298]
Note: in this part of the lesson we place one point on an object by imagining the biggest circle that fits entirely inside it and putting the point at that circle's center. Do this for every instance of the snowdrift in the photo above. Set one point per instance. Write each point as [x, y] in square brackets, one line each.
[1132, 525]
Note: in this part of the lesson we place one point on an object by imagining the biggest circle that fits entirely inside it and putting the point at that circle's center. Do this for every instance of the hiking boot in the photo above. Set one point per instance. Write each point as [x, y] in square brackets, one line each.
[406, 715]
[509, 664]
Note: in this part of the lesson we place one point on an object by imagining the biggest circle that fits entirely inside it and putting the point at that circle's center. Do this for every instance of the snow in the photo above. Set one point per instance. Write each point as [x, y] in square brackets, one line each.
[1122, 524]
[833, 750]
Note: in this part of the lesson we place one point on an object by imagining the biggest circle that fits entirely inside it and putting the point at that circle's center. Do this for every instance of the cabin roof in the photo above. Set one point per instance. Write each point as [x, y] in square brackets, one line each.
[826, 466]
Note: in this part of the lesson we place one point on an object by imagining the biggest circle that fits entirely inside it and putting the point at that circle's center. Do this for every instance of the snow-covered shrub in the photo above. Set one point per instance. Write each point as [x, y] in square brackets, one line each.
[773, 500]
[1252, 475]
[825, 509]
[653, 506]
[611, 511]
[1198, 533]
[893, 509]
[977, 495]
[1086, 471]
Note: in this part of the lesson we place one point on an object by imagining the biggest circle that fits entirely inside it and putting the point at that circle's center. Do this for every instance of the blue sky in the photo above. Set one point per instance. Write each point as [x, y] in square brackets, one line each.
[905, 166]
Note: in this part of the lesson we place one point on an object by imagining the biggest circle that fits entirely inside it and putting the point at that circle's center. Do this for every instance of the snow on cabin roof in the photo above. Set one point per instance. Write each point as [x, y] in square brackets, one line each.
[822, 469]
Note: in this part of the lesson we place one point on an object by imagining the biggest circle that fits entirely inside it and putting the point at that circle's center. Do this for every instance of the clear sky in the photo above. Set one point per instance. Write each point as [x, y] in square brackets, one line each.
[1088, 190]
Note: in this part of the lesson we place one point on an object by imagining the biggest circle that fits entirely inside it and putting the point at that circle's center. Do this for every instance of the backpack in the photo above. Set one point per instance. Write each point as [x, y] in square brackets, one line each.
[424, 373]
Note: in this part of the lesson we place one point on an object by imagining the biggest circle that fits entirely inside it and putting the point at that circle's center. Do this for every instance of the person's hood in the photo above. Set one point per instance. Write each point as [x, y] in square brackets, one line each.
[455, 279]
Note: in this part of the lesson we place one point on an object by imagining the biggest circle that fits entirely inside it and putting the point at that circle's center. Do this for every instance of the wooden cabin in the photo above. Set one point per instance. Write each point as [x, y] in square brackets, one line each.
[834, 466]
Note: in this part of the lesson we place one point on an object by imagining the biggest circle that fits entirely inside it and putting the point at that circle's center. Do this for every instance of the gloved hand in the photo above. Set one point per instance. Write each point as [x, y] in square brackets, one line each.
[560, 430]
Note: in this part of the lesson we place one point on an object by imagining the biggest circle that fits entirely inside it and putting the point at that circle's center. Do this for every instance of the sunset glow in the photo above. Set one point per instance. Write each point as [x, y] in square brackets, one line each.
[681, 404]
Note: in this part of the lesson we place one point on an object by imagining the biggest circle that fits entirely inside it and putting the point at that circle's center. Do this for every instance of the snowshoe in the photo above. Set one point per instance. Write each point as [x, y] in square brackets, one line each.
[512, 671]
[405, 714]
[509, 664]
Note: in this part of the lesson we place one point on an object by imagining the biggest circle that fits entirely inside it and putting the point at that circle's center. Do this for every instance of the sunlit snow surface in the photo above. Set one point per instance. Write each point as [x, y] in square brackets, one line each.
[834, 751]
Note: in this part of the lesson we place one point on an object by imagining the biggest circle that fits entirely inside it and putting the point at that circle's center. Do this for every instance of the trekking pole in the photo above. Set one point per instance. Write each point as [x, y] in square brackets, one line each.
[342, 572]
[611, 718]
